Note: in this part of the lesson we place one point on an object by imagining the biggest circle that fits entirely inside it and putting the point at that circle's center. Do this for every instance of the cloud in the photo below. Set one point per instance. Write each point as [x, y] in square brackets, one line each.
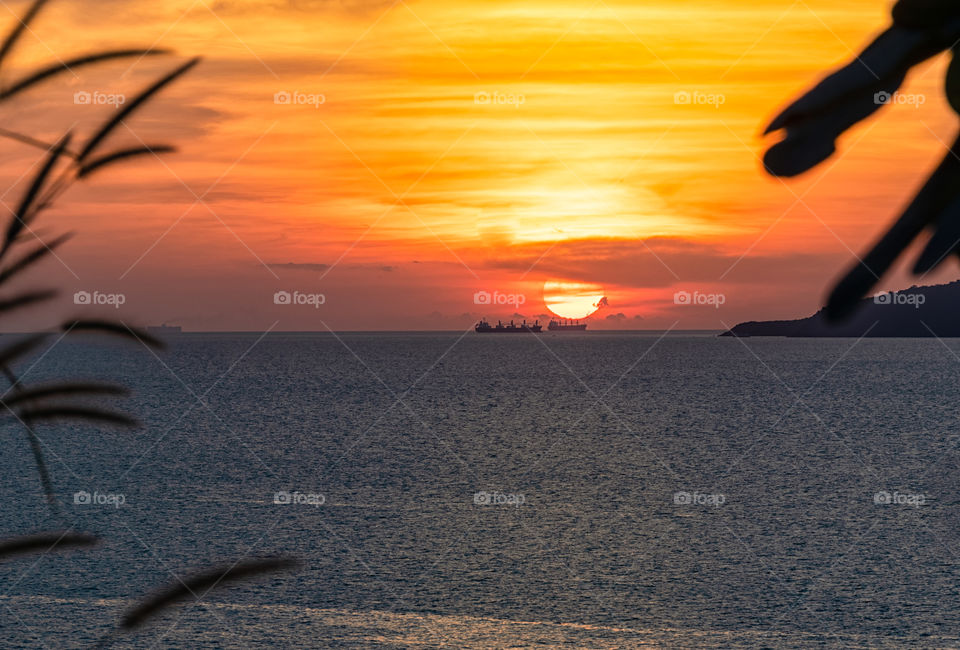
[663, 262]
[294, 266]
[319, 267]
[617, 318]
[347, 6]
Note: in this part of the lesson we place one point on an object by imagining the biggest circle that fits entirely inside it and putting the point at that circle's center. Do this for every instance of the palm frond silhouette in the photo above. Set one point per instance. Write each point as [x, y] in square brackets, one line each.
[921, 29]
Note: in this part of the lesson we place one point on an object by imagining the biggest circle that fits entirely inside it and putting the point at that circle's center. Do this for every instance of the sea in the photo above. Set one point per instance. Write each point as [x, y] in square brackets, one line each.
[455, 490]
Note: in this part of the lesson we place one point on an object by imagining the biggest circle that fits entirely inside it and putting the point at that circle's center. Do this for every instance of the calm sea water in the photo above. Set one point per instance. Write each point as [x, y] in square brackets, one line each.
[601, 490]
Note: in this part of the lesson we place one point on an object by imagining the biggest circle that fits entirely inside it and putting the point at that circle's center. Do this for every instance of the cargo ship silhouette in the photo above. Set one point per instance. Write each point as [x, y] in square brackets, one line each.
[163, 329]
[566, 325]
[483, 327]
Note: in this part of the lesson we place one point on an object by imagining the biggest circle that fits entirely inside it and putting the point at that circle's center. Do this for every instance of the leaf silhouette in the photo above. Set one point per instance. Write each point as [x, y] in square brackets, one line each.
[132, 106]
[44, 543]
[64, 389]
[19, 220]
[923, 14]
[929, 203]
[71, 64]
[19, 28]
[198, 584]
[815, 121]
[920, 30]
[32, 257]
[26, 299]
[77, 413]
[33, 142]
[122, 155]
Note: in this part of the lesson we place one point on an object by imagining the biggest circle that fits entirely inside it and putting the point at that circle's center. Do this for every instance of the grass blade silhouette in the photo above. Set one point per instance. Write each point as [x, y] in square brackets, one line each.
[14, 351]
[77, 413]
[129, 108]
[33, 142]
[34, 441]
[21, 217]
[32, 257]
[64, 389]
[19, 29]
[122, 155]
[26, 299]
[71, 64]
[199, 584]
[44, 543]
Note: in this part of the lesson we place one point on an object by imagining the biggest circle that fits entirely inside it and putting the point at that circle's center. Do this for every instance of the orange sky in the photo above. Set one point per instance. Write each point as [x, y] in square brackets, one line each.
[406, 192]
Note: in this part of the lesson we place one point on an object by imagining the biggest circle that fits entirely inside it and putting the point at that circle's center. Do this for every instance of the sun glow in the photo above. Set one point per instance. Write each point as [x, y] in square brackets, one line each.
[572, 299]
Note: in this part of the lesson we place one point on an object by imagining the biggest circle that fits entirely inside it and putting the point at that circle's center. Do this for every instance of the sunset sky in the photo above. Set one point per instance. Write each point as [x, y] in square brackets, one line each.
[476, 146]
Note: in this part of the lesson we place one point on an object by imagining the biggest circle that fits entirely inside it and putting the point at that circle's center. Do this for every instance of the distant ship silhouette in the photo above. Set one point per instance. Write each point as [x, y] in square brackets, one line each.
[483, 327]
[164, 329]
[566, 325]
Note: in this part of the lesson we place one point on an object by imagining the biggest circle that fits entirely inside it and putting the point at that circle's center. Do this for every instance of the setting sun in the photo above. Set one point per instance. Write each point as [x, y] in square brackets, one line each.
[572, 299]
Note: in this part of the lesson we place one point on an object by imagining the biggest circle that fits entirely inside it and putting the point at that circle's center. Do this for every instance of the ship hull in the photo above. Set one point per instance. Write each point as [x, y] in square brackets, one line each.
[164, 330]
[508, 330]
